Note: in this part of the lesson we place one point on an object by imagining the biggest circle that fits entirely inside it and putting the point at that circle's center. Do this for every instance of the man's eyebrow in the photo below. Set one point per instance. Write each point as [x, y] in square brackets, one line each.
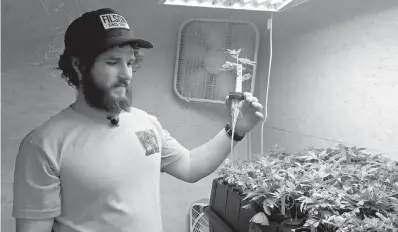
[112, 58]
[117, 58]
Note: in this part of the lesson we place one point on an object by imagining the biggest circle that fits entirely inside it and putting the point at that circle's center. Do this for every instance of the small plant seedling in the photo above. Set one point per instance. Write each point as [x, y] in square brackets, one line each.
[238, 65]
[237, 96]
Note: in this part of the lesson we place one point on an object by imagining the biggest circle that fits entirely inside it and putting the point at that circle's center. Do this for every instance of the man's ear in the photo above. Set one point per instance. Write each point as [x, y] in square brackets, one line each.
[77, 66]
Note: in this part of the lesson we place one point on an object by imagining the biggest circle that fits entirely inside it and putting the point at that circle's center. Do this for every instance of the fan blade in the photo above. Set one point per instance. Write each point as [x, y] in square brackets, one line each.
[243, 36]
[214, 36]
[214, 61]
[197, 83]
[225, 83]
[194, 54]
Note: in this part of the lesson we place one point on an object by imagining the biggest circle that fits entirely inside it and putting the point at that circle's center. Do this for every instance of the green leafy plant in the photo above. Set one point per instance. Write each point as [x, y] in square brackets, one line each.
[239, 62]
[335, 189]
[240, 77]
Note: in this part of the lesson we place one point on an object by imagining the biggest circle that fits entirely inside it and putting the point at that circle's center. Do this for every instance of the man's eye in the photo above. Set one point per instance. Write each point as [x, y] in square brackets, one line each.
[111, 62]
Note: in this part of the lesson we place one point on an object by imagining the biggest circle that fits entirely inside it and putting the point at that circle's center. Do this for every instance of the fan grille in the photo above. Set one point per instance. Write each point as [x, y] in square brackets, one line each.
[202, 44]
[200, 222]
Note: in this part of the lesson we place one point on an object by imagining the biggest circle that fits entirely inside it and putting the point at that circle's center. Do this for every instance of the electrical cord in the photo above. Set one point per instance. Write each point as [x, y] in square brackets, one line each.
[269, 26]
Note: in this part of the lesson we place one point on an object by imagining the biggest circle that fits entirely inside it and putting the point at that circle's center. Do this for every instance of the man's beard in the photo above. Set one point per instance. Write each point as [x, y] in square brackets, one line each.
[102, 99]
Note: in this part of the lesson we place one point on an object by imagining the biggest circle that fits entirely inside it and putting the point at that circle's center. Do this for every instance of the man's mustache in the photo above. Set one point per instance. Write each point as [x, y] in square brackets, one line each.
[121, 84]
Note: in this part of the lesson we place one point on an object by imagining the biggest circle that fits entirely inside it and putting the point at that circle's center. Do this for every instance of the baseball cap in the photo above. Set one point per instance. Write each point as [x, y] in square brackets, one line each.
[96, 31]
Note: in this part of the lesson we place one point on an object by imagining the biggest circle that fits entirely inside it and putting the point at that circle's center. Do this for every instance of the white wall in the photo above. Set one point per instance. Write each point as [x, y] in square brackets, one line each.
[334, 76]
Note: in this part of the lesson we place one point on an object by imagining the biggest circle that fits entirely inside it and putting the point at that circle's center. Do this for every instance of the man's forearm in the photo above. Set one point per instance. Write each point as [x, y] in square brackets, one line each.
[206, 158]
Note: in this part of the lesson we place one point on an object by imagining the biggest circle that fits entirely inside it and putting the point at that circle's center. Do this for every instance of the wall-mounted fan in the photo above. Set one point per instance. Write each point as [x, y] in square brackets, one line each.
[201, 53]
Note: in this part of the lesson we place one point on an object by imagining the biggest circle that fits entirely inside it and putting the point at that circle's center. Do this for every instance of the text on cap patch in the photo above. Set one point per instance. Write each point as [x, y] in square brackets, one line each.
[110, 21]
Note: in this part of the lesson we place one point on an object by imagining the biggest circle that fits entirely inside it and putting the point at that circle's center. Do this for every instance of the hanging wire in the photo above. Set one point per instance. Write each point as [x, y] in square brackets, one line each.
[269, 26]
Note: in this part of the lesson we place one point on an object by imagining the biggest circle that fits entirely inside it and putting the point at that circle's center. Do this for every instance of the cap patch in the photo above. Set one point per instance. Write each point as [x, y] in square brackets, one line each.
[110, 21]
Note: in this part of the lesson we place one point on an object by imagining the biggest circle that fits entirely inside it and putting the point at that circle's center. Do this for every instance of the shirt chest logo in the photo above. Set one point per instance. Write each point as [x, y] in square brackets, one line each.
[148, 141]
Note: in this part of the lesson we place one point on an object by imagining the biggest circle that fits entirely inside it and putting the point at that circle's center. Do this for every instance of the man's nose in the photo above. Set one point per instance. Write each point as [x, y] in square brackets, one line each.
[125, 72]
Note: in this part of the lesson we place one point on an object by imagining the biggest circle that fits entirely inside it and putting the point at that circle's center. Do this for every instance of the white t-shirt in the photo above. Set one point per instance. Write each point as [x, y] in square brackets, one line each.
[92, 177]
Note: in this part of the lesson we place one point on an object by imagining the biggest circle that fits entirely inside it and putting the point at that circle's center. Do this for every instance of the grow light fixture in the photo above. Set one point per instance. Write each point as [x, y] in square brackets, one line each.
[252, 5]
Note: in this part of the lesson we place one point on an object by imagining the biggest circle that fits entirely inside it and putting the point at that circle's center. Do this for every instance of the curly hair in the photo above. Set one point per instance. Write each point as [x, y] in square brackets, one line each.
[69, 74]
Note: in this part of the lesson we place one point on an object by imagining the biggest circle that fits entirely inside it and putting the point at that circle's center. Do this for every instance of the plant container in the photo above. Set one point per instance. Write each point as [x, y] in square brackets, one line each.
[228, 204]
[216, 224]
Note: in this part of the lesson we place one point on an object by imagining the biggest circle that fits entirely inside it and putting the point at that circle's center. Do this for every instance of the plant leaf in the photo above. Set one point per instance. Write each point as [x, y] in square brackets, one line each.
[232, 52]
[246, 77]
[260, 218]
[250, 195]
[228, 66]
[266, 208]
[246, 61]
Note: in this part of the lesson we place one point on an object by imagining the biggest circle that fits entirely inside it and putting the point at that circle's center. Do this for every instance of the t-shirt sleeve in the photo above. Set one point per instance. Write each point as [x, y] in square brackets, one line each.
[172, 150]
[36, 184]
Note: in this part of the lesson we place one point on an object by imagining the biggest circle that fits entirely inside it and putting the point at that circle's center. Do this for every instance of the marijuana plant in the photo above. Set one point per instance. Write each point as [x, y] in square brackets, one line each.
[239, 66]
[335, 189]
